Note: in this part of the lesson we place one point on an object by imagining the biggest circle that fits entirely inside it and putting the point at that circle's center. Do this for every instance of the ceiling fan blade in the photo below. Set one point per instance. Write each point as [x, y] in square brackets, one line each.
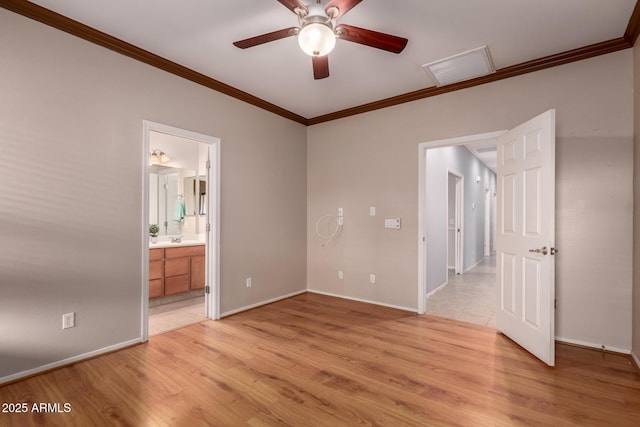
[320, 67]
[266, 38]
[293, 4]
[371, 38]
[343, 6]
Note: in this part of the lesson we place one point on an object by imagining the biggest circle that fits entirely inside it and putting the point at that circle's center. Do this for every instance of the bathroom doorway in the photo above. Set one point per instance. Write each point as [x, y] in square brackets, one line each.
[180, 224]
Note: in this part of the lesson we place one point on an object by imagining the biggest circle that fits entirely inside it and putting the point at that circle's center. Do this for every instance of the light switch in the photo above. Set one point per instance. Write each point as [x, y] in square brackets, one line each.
[393, 223]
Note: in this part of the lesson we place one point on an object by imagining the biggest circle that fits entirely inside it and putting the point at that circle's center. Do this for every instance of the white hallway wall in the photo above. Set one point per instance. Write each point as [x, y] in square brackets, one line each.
[371, 160]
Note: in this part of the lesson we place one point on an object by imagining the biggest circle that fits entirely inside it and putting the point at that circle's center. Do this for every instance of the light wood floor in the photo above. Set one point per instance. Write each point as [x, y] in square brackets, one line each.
[314, 360]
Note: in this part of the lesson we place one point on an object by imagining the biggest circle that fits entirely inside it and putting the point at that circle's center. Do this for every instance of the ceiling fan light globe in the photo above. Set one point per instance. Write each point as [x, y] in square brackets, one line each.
[316, 39]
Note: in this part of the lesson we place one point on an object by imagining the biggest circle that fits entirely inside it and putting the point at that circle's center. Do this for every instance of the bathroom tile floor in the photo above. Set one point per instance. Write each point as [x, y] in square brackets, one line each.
[167, 317]
[469, 297]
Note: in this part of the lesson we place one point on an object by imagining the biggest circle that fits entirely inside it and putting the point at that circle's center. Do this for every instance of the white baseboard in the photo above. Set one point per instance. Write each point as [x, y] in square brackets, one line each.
[437, 289]
[258, 304]
[592, 345]
[470, 267]
[70, 360]
[399, 307]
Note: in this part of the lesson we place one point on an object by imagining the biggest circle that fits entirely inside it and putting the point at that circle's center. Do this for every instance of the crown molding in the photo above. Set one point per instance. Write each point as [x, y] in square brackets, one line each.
[68, 25]
[503, 73]
[633, 28]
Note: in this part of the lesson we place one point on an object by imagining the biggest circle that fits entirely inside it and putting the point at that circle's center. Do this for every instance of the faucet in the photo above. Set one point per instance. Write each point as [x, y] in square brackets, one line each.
[177, 239]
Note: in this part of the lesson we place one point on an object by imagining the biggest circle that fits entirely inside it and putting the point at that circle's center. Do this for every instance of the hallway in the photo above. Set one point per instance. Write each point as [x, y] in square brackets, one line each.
[469, 297]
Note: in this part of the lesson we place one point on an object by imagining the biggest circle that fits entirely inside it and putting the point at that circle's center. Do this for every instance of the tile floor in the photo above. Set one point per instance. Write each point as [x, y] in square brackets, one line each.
[167, 317]
[469, 297]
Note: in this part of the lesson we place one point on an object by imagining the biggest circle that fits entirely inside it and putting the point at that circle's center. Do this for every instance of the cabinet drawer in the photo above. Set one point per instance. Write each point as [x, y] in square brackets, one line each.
[173, 285]
[176, 267]
[184, 251]
[155, 270]
[155, 288]
[156, 254]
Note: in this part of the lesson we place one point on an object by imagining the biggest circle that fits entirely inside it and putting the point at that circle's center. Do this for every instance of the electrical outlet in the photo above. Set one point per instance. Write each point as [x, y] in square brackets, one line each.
[68, 320]
[248, 282]
[372, 211]
[340, 274]
[372, 278]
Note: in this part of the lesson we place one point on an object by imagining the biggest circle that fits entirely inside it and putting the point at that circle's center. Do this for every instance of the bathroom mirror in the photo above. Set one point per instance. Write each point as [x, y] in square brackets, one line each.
[195, 195]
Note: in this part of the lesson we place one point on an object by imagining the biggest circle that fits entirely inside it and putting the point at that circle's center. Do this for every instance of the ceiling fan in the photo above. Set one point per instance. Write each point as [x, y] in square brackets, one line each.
[317, 32]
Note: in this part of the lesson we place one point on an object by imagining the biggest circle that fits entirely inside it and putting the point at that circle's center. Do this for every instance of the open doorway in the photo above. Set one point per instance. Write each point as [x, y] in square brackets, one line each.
[525, 231]
[461, 283]
[181, 223]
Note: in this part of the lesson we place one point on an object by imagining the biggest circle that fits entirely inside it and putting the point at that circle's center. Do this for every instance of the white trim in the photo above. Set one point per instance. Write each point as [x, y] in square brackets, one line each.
[422, 169]
[213, 243]
[214, 310]
[458, 251]
[487, 222]
[70, 360]
[261, 303]
[592, 345]
[398, 307]
[437, 289]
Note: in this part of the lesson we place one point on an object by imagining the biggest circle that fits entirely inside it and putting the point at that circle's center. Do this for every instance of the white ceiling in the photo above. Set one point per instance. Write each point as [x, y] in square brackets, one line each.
[199, 34]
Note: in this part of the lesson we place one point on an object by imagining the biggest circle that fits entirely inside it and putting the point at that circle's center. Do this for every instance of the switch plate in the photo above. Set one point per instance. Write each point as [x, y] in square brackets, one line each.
[249, 282]
[372, 278]
[392, 223]
[68, 320]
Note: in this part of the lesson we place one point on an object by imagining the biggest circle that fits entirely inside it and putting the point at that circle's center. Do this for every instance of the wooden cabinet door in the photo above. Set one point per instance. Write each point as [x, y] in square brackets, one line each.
[197, 272]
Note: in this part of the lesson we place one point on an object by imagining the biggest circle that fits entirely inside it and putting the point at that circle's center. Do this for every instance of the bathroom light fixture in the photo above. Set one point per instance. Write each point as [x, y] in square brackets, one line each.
[157, 157]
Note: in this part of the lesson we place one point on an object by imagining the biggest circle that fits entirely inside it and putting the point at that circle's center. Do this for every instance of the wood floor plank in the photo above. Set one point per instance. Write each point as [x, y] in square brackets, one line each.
[314, 360]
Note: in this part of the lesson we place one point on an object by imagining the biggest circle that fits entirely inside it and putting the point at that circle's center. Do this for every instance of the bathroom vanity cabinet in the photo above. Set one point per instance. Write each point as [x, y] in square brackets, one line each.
[176, 269]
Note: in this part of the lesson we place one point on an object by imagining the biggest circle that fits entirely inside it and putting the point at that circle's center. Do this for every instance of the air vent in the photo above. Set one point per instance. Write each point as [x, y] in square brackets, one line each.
[464, 66]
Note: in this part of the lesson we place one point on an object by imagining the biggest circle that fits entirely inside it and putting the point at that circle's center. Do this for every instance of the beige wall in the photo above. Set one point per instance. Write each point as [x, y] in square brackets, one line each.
[71, 114]
[636, 207]
[372, 160]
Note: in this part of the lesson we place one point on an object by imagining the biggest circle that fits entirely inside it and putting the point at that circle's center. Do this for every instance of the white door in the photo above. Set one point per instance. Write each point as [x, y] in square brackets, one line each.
[526, 236]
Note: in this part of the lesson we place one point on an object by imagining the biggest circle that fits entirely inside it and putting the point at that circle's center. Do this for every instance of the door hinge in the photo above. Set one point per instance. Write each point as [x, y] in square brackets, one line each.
[208, 227]
[555, 303]
[207, 289]
[208, 164]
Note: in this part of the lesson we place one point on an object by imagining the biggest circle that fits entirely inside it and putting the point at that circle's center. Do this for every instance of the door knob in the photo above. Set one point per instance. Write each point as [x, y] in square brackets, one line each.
[542, 251]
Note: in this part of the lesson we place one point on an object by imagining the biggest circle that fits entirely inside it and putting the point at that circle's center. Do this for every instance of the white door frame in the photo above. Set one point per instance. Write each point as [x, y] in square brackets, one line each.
[458, 240]
[213, 209]
[422, 220]
[487, 222]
